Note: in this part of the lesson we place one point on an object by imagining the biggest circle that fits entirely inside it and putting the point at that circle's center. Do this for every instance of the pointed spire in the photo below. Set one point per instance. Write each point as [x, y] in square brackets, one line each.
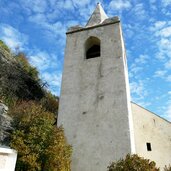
[97, 17]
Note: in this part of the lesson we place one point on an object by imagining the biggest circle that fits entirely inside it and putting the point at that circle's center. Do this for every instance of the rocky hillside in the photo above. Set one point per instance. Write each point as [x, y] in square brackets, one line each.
[5, 121]
[15, 80]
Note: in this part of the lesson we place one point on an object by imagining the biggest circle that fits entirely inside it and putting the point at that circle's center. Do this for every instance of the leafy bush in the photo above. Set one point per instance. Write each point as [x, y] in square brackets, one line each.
[50, 102]
[40, 145]
[133, 163]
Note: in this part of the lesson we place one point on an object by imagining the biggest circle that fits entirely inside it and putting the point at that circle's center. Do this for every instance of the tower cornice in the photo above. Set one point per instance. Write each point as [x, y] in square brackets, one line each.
[107, 21]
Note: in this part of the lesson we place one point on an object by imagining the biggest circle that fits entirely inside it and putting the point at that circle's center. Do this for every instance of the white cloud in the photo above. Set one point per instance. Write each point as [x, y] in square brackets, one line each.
[168, 78]
[158, 25]
[137, 66]
[142, 59]
[134, 69]
[165, 32]
[48, 65]
[162, 32]
[56, 28]
[120, 4]
[85, 12]
[68, 4]
[166, 2]
[164, 50]
[168, 64]
[79, 3]
[139, 93]
[47, 15]
[54, 80]
[138, 89]
[160, 73]
[163, 74]
[43, 60]
[165, 43]
[36, 6]
[139, 11]
[12, 37]
[160, 55]
[152, 1]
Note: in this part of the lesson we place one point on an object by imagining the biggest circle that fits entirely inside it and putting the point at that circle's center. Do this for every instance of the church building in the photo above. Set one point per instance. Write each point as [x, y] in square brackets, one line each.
[100, 121]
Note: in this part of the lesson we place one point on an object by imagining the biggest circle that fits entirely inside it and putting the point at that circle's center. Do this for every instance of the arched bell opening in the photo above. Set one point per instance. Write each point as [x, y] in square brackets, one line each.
[92, 47]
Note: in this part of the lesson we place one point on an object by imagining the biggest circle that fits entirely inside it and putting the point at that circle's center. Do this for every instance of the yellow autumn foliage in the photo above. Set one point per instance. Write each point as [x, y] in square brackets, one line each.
[41, 145]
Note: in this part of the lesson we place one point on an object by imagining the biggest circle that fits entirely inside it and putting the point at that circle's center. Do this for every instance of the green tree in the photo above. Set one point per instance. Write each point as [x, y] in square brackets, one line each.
[133, 163]
[40, 144]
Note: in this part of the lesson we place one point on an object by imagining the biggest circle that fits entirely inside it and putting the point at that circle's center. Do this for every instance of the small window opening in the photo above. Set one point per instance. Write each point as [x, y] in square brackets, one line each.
[149, 147]
[92, 47]
[93, 52]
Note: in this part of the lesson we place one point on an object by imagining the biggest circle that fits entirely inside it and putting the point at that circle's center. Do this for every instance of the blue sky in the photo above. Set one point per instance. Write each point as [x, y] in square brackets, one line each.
[37, 27]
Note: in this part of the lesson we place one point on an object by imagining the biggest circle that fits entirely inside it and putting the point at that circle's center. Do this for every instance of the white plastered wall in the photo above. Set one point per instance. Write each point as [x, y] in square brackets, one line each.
[94, 105]
[150, 128]
[8, 159]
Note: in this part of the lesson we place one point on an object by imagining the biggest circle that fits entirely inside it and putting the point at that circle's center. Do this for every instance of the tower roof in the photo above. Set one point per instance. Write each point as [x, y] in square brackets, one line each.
[97, 17]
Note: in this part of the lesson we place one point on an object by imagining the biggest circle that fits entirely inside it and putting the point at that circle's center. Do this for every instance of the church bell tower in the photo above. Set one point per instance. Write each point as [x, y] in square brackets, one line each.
[95, 108]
